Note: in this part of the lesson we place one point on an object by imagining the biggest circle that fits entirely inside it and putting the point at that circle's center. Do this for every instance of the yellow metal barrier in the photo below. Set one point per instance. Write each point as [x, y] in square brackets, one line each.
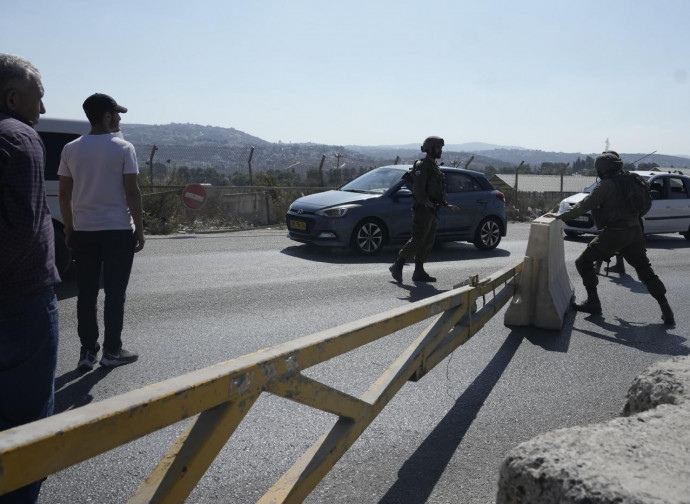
[222, 395]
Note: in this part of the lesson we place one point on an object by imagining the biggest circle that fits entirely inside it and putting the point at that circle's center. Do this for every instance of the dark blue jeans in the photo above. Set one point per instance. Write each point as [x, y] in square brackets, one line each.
[111, 252]
[28, 358]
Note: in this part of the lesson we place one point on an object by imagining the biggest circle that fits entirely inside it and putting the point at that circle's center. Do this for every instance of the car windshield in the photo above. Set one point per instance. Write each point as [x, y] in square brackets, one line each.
[376, 181]
[590, 188]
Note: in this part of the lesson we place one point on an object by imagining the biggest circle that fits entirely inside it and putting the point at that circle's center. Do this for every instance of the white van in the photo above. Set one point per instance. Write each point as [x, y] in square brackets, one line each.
[55, 133]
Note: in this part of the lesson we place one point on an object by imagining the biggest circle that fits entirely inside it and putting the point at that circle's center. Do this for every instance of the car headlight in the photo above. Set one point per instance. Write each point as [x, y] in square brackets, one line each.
[338, 211]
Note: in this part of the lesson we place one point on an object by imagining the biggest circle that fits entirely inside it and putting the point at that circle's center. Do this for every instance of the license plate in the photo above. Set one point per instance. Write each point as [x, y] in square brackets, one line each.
[298, 224]
[582, 218]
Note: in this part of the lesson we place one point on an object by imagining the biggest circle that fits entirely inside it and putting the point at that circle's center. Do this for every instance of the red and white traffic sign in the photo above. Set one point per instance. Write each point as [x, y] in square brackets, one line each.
[194, 196]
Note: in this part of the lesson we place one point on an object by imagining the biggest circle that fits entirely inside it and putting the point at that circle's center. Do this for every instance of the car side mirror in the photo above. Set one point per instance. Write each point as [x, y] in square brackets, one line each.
[655, 194]
[403, 192]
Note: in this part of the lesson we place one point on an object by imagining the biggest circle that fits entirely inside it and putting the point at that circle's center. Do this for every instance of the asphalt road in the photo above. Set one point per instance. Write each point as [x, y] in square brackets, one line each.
[195, 300]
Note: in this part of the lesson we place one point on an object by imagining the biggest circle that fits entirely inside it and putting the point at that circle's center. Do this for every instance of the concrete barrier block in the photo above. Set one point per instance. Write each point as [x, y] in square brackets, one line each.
[629, 460]
[666, 382]
[544, 292]
[639, 459]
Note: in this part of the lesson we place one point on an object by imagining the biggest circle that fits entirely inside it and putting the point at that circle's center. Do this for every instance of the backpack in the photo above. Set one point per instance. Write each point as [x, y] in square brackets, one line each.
[408, 177]
[637, 195]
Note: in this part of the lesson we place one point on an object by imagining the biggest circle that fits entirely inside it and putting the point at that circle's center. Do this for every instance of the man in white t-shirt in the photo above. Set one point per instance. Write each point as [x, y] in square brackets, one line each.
[100, 201]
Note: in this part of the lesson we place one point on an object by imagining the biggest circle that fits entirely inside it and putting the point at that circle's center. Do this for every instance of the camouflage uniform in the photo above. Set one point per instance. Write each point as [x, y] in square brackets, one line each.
[429, 195]
[621, 232]
[428, 188]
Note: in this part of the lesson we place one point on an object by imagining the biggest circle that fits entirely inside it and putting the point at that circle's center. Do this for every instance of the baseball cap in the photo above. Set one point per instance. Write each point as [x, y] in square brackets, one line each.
[99, 103]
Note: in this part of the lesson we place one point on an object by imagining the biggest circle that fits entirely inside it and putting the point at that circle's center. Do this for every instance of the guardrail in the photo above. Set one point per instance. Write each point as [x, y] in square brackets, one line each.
[221, 395]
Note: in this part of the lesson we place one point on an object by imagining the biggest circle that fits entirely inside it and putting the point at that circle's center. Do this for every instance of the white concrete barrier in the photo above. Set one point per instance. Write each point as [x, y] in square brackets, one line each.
[544, 292]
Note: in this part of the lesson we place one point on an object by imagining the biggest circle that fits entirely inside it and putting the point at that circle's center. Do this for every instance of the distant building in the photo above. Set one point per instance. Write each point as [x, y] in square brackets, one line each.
[571, 184]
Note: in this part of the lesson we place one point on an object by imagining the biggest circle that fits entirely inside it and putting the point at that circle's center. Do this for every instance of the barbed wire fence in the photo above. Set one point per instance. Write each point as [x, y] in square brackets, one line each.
[250, 186]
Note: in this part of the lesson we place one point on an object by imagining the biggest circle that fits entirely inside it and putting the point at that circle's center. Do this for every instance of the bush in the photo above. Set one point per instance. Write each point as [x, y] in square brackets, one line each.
[164, 214]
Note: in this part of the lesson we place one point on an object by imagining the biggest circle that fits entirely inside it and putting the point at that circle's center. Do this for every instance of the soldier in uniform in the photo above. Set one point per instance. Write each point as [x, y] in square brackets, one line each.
[429, 195]
[621, 231]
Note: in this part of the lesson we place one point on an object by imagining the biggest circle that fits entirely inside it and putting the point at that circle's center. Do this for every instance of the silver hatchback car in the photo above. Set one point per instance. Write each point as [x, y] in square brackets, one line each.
[375, 209]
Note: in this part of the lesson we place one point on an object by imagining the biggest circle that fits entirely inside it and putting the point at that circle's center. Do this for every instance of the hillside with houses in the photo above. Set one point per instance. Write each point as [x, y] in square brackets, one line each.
[227, 151]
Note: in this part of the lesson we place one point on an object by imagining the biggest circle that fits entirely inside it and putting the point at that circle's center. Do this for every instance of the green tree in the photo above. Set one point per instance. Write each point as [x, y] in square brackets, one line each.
[239, 179]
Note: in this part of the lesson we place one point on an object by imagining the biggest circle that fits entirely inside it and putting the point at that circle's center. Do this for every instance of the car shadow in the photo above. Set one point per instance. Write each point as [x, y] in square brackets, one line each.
[420, 473]
[667, 242]
[449, 251]
[658, 241]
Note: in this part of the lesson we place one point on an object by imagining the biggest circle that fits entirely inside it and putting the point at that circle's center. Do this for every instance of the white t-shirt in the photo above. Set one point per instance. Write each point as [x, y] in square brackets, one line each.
[97, 164]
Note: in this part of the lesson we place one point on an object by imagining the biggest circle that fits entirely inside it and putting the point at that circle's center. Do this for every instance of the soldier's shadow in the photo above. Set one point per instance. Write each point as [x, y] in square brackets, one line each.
[418, 290]
[650, 338]
[625, 280]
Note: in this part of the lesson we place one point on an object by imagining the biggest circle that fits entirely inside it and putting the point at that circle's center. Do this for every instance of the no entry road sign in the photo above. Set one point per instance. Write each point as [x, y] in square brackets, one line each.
[194, 196]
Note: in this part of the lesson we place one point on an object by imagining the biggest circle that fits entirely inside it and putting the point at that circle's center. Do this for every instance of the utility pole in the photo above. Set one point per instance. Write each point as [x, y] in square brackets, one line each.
[565, 168]
[153, 151]
[516, 182]
[323, 158]
[467, 164]
[249, 162]
[337, 166]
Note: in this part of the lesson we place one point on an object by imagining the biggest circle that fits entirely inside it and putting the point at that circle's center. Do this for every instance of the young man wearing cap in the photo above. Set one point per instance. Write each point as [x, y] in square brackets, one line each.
[100, 201]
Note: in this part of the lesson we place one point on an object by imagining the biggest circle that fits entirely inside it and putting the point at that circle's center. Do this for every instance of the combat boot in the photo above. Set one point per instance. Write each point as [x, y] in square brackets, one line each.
[420, 275]
[396, 269]
[666, 312]
[619, 267]
[591, 304]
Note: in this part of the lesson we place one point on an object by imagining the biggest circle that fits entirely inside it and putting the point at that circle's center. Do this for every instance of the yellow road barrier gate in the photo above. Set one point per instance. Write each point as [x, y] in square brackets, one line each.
[221, 395]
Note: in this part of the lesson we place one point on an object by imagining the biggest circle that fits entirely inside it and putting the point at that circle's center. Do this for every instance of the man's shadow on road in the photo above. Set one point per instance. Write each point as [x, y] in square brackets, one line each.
[422, 471]
[72, 389]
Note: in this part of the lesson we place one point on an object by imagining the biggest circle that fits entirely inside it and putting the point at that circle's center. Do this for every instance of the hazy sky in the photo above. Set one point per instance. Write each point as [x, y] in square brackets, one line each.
[550, 75]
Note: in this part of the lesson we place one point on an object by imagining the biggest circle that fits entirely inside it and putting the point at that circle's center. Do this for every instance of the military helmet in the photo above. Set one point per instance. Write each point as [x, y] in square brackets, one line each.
[608, 163]
[432, 141]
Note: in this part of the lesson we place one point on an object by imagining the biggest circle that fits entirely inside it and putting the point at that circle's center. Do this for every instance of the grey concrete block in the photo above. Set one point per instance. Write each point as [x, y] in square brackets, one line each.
[665, 382]
[639, 459]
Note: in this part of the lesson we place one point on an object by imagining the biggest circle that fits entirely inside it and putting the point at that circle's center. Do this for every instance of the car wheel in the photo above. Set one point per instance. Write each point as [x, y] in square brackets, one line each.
[571, 234]
[687, 234]
[488, 234]
[63, 255]
[368, 237]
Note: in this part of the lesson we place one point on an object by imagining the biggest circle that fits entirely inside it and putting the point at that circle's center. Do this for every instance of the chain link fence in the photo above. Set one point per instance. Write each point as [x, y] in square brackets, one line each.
[253, 187]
